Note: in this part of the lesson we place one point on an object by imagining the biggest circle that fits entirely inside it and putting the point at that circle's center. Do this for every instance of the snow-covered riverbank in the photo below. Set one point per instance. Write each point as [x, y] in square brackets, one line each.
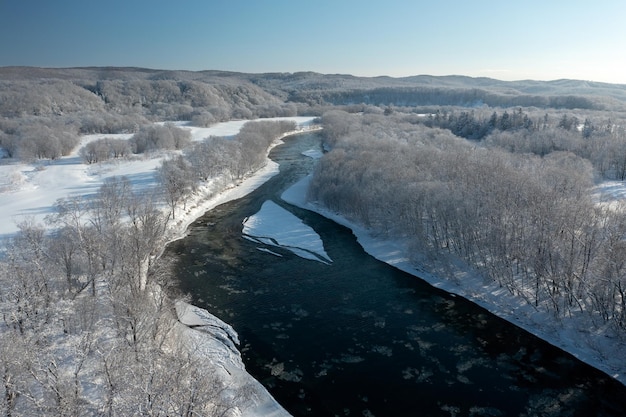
[220, 345]
[39, 187]
[29, 191]
[196, 324]
[572, 334]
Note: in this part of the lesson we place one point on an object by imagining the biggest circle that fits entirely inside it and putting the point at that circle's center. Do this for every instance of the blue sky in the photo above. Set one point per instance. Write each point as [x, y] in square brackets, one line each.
[509, 40]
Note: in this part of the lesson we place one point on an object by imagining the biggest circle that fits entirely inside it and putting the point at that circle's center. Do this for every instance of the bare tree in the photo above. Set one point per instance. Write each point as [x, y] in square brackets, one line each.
[177, 180]
[73, 214]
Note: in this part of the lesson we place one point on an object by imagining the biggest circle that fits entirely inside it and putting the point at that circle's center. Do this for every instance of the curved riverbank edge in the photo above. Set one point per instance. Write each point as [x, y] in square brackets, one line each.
[215, 342]
[202, 332]
[569, 334]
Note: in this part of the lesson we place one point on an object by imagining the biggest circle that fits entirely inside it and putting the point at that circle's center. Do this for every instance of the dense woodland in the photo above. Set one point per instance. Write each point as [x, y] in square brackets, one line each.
[516, 204]
[497, 174]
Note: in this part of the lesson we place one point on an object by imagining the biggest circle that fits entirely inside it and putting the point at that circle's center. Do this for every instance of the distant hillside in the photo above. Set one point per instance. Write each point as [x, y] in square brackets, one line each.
[173, 95]
[443, 90]
[153, 92]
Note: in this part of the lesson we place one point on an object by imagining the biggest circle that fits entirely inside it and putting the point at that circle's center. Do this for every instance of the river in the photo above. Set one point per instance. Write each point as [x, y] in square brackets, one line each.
[357, 337]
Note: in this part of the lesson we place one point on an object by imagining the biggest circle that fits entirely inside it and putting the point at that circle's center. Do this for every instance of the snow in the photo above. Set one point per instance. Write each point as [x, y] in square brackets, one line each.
[28, 191]
[221, 348]
[571, 334]
[232, 127]
[275, 226]
[610, 194]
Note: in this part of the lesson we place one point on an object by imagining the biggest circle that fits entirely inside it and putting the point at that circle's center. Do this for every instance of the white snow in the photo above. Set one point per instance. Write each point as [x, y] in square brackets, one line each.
[30, 190]
[275, 226]
[232, 127]
[221, 348]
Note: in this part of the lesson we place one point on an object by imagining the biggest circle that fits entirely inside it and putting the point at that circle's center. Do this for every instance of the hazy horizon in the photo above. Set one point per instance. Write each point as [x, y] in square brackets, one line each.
[505, 41]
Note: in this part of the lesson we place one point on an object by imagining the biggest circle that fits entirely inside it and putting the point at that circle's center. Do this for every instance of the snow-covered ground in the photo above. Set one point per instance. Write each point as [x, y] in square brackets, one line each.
[30, 190]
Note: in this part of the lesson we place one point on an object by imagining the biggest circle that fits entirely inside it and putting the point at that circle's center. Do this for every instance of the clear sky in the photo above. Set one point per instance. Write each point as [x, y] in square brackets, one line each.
[503, 39]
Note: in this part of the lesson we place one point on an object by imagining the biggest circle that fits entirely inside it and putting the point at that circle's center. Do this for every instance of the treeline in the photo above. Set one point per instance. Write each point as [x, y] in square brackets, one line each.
[528, 222]
[19, 98]
[149, 138]
[187, 100]
[120, 100]
[156, 99]
[87, 320]
[217, 157]
[477, 124]
[439, 96]
[599, 138]
[38, 139]
[41, 119]
[50, 137]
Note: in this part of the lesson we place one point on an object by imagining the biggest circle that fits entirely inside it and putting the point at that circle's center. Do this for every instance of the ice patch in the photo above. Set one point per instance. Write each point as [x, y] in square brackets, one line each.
[383, 350]
[270, 252]
[275, 226]
[278, 370]
[313, 153]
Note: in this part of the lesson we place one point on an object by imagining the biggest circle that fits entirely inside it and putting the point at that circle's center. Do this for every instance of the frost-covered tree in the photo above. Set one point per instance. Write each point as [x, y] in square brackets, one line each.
[154, 137]
[527, 221]
[177, 180]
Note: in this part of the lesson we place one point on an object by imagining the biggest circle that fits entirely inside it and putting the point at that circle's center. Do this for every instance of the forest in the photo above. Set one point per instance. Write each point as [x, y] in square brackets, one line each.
[499, 175]
[514, 202]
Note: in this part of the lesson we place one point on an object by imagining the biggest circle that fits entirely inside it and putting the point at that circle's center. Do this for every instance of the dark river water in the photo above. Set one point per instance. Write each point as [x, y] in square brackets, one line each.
[360, 338]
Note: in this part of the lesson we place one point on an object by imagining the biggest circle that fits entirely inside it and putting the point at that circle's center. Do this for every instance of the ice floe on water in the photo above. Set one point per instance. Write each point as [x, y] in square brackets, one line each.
[275, 226]
[313, 153]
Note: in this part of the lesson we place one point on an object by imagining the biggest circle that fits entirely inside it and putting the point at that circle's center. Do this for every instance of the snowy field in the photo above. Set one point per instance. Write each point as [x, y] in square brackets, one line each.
[30, 190]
